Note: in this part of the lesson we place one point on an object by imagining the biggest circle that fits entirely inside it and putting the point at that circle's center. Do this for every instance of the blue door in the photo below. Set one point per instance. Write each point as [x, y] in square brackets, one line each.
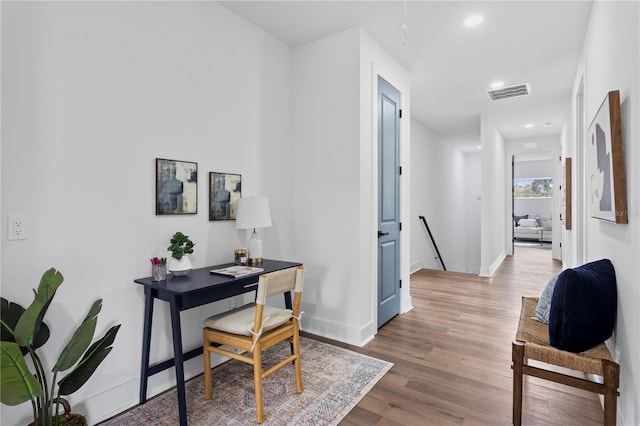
[389, 114]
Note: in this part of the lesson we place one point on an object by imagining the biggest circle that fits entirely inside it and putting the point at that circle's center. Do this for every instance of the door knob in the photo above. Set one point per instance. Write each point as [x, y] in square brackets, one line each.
[382, 234]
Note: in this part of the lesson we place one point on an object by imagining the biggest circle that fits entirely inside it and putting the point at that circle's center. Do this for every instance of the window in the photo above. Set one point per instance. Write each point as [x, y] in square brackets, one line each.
[533, 187]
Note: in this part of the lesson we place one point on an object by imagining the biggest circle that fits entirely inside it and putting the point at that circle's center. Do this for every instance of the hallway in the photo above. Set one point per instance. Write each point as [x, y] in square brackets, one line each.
[452, 354]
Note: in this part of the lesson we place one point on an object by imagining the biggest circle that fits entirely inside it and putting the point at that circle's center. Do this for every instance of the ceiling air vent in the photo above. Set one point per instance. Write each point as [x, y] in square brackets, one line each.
[510, 91]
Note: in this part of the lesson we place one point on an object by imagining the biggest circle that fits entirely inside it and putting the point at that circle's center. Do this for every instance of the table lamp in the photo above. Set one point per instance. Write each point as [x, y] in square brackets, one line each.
[253, 213]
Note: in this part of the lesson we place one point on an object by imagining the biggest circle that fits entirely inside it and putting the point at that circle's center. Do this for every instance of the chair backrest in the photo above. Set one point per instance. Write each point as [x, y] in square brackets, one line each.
[279, 282]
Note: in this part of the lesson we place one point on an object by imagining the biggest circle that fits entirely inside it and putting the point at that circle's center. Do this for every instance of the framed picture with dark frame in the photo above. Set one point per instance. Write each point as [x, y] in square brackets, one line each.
[605, 167]
[176, 187]
[225, 189]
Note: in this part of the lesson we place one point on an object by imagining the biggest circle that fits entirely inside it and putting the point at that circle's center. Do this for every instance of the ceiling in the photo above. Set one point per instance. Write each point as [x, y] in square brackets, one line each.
[451, 65]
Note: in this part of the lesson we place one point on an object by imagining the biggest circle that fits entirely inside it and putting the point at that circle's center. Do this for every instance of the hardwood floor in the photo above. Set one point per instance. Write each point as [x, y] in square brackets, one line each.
[452, 354]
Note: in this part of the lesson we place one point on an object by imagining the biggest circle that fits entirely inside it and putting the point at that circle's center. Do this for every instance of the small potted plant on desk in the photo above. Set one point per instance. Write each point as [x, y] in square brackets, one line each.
[24, 332]
[180, 247]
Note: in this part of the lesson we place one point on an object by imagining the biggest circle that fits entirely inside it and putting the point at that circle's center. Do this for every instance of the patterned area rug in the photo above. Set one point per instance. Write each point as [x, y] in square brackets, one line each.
[334, 380]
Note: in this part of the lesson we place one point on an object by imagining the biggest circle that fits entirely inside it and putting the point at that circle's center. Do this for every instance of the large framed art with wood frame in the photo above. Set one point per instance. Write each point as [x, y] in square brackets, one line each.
[567, 204]
[605, 167]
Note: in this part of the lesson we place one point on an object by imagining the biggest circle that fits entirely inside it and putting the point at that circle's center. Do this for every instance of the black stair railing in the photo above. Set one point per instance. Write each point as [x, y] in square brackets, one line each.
[435, 246]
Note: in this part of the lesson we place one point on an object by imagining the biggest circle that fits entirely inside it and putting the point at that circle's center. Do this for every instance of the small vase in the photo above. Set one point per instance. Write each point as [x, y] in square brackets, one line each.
[180, 266]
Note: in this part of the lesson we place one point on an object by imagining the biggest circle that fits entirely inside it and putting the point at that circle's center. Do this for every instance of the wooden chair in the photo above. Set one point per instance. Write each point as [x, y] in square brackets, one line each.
[532, 342]
[256, 327]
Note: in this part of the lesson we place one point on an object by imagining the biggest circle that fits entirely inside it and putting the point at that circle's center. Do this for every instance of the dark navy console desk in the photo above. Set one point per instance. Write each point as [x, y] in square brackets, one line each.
[197, 288]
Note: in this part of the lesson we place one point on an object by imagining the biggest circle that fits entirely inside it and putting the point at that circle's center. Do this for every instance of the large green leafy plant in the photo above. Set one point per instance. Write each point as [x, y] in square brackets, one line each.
[24, 331]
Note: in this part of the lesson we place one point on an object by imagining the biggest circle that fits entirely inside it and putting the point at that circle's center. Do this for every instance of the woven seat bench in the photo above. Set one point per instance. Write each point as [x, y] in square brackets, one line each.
[532, 343]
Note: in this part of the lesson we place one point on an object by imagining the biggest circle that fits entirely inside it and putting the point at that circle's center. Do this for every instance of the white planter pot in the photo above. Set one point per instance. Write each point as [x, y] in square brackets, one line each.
[180, 266]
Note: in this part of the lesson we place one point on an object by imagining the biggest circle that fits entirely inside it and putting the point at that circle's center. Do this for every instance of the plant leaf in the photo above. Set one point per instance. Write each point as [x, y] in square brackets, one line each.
[17, 384]
[11, 313]
[80, 340]
[30, 322]
[90, 361]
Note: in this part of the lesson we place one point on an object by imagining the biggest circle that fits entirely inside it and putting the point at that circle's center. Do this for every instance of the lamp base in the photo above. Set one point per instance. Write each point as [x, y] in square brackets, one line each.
[254, 249]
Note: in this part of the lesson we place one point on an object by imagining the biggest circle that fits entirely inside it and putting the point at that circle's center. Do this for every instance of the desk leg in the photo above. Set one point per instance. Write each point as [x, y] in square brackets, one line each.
[177, 353]
[146, 344]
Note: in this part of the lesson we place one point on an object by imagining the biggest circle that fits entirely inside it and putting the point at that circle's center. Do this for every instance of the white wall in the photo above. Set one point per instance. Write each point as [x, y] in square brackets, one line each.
[326, 180]
[449, 224]
[568, 243]
[610, 61]
[335, 185]
[472, 209]
[532, 206]
[532, 169]
[440, 192]
[424, 196]
[493, 216]
[189, 81]
[92, 94]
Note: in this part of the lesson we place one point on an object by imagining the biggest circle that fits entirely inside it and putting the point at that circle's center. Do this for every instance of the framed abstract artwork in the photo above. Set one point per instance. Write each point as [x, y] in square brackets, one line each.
[225, 190]
[605, 167]
[176, 187]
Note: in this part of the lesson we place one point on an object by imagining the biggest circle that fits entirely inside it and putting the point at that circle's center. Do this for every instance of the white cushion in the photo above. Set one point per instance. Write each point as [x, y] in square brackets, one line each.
[544, 303]
[527, 232]
[528, 223]
[545, 222]
[240, 320]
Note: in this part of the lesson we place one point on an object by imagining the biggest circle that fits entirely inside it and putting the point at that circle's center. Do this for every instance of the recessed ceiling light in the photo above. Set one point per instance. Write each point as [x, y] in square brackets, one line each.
[496, 84]
[528, 126]
[472, 21]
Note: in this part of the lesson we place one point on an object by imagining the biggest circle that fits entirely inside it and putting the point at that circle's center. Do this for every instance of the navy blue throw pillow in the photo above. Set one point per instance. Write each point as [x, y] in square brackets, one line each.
[583, 307]
[516, 219]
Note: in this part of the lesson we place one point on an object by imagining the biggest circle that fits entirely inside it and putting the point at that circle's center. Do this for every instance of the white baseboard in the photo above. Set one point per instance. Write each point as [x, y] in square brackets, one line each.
[415, 267]
[489, 271]
[340, 332]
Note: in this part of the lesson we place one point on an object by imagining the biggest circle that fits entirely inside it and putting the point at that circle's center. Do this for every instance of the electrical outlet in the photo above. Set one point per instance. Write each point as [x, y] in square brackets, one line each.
[17, 228]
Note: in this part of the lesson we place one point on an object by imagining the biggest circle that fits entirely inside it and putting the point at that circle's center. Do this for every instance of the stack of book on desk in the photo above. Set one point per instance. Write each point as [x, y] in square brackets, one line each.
[237, 271]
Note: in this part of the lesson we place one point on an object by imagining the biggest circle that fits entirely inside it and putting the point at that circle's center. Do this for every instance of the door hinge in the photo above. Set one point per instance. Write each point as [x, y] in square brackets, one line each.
[400, 223]
[400, 113]
[400, 283]
[400, 170]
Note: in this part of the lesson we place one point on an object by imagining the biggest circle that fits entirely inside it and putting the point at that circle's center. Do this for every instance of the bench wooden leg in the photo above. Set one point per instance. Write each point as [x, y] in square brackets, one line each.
[517, 357]
[611, 372]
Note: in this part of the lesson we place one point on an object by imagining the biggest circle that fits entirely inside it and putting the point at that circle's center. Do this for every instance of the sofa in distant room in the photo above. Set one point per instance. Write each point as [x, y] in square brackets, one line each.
[532, 227]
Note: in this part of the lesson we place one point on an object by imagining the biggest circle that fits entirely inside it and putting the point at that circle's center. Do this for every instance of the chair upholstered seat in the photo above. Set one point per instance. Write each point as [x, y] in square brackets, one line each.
[242, 320]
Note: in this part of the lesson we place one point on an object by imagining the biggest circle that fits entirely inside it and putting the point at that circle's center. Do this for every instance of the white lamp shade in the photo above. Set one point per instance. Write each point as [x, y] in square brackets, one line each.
[253, 213]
